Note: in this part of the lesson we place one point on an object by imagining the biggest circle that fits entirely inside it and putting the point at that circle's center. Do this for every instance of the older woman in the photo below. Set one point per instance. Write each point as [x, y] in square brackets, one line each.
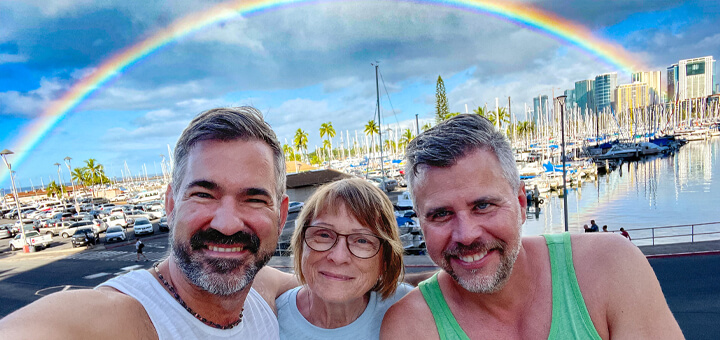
[348, 258]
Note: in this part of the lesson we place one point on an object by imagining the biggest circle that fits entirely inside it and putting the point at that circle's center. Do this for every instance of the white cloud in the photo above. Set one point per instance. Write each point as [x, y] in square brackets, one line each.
[33, 102]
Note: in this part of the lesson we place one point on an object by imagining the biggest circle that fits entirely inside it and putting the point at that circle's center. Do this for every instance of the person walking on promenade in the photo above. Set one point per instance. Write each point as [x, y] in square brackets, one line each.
[604, 228]
[139, 245]
[625, 233]
[496, 284]
[226, 208]
[594, 227]
[586, 228]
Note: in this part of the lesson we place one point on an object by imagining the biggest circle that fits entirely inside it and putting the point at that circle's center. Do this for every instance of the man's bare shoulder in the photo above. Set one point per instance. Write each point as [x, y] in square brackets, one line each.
[620, 288]
[409, 318]
[75, 315]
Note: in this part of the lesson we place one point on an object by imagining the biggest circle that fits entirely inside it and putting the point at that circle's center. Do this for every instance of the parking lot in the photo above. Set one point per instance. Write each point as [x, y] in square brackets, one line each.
[60, 243]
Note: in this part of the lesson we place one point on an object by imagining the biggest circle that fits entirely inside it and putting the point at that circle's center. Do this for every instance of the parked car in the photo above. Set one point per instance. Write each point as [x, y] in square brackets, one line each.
[6, 231]
[384, 183]
[32, 238]
[143, 226]
[84, 236]
[137, 214]
[56, 228]
[99, 226]
[295, 206]
[116, 220]
[106, 206]
[163, 225]
[115, 234]
[74, 227]
[121, 197]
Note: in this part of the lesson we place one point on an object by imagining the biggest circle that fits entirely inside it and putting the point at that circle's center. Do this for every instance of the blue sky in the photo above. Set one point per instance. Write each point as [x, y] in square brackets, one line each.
[301, 66]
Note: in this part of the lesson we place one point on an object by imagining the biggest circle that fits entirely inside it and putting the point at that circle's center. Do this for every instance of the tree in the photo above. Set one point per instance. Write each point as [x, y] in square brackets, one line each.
[95, 174]
[503, 114]
[53, 190]
[371, 128]
[327, 129]
[389, 145]
[406, 137]
[301, 141]
[441, 105]
[326, 146]
[480, 111]
[426, 126]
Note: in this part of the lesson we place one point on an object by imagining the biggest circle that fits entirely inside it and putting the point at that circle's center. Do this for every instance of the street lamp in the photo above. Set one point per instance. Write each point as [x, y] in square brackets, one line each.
[62, 193]
[4, 154]
[67, 162]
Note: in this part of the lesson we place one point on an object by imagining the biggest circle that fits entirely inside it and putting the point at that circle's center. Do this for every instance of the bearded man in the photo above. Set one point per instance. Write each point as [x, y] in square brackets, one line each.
[226, 208]
[496, 284]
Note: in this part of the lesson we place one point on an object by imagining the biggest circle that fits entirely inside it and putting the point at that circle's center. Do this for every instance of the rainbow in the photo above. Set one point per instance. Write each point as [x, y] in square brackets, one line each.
[523, 15]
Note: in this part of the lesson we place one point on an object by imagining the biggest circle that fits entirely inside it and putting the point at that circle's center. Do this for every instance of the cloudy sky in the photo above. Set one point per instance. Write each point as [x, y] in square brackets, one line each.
[301, 65]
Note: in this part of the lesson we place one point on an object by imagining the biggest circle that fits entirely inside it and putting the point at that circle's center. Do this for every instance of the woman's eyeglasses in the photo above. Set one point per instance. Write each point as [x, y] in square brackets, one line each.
[360, 245]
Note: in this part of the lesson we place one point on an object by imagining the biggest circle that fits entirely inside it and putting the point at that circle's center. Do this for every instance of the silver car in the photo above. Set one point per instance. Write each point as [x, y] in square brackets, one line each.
[115, 234]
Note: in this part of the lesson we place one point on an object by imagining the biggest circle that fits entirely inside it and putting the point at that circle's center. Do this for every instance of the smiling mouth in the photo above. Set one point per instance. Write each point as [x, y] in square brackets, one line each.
[225, 249]
[473, 257]
[336, 276]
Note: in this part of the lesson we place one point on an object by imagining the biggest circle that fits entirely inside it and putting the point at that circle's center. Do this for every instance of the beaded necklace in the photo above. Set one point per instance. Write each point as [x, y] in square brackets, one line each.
[192, 312]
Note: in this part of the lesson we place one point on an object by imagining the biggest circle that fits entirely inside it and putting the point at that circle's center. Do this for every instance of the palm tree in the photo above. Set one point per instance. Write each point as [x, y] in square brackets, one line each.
[301, 141]
[327, 146]
[95, 173]
[289, 152]
[53, 190]
[371, 128]
[327, 129]
[389, 145]
[426, 126]
[502, 113]
[406, 137]
[480, 111]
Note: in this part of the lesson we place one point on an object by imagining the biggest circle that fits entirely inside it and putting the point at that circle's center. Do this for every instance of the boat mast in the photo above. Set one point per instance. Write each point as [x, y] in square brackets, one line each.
[377, 92]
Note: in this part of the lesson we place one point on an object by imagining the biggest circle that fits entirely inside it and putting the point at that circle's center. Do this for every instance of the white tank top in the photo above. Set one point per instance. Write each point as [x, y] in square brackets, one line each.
[172, 321]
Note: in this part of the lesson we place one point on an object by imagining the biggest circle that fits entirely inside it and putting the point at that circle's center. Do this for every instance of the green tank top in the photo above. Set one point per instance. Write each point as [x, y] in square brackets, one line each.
[570, 317]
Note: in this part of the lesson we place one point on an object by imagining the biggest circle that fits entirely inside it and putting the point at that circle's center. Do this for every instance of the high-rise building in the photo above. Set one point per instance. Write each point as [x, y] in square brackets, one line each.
[584, 97]
[672, 82]
[540, 109]
[570, 103]
[695, 77]
[652, 79]
[605, 85]
[632, 95]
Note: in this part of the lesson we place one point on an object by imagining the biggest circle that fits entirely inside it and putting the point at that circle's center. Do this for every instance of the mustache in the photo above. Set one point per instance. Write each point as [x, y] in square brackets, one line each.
[249, 241]
[459, 249]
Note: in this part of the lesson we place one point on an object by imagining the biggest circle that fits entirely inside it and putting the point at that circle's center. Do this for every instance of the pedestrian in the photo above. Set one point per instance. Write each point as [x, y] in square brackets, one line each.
[226, 207]
[625, 233]
[594, 227]
[88, 243]
[139, 245]
[605, 228]
[496, 284]
[586, 228]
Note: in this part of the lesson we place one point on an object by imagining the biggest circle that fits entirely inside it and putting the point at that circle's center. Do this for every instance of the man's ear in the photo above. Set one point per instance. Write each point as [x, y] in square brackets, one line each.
[284, 202]
[169, 200]
[522, 199]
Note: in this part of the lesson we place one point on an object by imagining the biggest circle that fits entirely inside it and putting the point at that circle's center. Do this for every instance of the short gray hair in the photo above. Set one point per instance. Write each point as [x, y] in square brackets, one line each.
[228, 124]
[446, 143]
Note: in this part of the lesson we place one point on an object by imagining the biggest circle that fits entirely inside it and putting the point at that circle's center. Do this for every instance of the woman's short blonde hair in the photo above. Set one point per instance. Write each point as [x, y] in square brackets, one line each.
[369, 206]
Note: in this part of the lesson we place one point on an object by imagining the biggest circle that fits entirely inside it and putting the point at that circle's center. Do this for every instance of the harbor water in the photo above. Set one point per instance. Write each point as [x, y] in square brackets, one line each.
[678, 189]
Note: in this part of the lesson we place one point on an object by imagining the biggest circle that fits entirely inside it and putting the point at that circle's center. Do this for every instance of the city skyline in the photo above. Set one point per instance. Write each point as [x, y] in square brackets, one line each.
[302, 73]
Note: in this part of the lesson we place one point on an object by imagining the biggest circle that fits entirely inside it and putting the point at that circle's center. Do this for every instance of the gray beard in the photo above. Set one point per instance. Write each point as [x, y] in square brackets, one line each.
[216, 276]
[486, 284]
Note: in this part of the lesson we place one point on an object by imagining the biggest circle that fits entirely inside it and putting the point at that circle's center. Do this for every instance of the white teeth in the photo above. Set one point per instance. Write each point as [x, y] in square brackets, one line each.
[225, 250]
[473, 257]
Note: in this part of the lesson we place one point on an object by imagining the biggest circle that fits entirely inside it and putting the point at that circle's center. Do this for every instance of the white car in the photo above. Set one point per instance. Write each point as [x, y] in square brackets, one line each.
[143, 226]
[295, 206]
[115, 234]
[115, 220]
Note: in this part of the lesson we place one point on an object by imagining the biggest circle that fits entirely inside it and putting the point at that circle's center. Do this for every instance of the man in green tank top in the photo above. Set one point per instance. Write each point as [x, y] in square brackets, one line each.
[495, 283]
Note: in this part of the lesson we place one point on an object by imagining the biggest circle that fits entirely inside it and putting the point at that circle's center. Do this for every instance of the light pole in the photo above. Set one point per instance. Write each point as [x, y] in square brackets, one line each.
[4, 154]
[67, 162]
[561, 103]
[62, 192]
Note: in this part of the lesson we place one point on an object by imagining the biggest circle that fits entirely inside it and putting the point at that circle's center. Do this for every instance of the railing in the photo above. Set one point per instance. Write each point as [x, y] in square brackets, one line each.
[675, 234]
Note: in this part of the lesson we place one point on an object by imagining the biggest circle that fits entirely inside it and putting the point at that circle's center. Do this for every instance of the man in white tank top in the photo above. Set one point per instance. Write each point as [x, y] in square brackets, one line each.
[226, 208]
